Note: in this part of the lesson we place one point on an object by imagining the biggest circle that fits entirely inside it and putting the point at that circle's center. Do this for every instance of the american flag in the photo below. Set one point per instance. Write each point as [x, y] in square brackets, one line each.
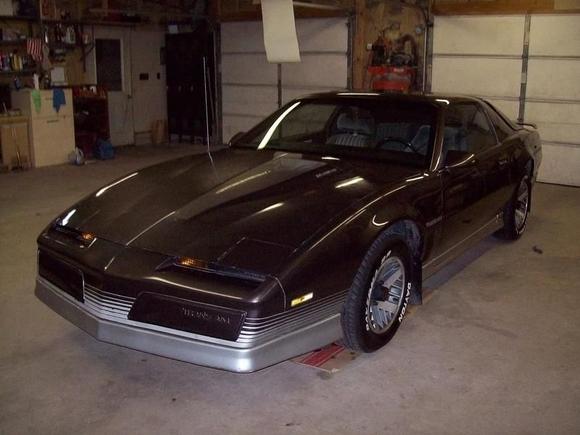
[34, 48]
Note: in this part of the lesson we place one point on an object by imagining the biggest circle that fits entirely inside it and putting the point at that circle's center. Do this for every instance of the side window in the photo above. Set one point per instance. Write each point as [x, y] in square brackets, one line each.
[502, 129]
[467, 129]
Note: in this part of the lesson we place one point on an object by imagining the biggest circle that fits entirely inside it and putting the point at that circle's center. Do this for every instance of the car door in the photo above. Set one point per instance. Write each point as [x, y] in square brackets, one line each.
[466, 152]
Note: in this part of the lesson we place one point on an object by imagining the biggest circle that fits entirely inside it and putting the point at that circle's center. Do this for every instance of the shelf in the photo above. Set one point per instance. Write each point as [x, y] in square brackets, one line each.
[12, 43]
[23, 72]
[63, 45]
[91, 23]
[18, 18]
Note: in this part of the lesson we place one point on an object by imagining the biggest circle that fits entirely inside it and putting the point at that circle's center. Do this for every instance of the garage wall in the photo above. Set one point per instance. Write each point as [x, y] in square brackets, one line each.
[483, 56]
[250, 83]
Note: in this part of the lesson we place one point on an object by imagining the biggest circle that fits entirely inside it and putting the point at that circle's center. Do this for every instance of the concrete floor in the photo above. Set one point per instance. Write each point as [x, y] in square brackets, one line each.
[496, 349]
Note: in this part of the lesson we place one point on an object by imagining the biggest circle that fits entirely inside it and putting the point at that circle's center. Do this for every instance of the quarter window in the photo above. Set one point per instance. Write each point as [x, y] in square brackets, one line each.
[502, 129]
[467, 129]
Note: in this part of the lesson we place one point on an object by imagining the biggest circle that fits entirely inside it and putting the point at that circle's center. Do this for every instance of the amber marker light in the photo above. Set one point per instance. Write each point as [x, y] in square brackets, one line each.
[192, 262]
[301, 299]
[87, 237]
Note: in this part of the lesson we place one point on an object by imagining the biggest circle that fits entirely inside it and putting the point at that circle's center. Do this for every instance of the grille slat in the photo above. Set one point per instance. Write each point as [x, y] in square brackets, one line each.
[107, 303]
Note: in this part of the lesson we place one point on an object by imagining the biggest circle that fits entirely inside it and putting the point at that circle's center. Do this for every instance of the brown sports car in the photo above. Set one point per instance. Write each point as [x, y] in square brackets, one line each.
[320, 223]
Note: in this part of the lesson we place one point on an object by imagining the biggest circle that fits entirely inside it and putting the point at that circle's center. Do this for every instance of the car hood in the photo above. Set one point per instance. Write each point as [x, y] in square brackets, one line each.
[246, 208]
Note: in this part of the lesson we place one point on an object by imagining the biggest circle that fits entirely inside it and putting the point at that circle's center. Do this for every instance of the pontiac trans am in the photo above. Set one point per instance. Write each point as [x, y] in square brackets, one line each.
[318, 224]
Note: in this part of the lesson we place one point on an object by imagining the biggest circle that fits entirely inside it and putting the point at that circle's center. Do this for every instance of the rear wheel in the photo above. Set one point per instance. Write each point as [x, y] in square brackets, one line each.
[378, 298]
[516, 212]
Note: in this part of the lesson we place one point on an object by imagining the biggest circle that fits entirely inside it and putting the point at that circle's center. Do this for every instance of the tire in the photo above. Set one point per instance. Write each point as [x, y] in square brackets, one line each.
[372, 313]
[517, 210]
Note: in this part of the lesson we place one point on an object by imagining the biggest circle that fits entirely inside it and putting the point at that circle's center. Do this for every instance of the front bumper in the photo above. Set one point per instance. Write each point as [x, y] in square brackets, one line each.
[190, 347]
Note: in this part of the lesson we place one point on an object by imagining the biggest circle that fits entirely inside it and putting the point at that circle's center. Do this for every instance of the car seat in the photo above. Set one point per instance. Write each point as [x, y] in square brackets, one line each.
[351, 132]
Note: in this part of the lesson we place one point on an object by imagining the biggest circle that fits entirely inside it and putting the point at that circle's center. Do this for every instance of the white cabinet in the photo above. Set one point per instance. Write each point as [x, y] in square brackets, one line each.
[52, 136]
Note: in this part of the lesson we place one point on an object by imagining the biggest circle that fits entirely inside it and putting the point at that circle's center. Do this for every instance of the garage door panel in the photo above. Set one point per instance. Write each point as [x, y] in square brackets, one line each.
[249, 100]
[509, 108]
[322, 35]
[552, 78]
[250, 83]
[476, 76]
[559, 122]
[249, 69]
[323, 70]
[236, 124]
[558, 132]
[289, 94]
[252, 40]
[560, 164]
[477, 56]
[555, 35]
[479, 35]
[553, 112]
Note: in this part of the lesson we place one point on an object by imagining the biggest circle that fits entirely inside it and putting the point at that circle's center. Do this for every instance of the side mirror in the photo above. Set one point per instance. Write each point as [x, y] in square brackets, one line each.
[236, 137]
[454, 158]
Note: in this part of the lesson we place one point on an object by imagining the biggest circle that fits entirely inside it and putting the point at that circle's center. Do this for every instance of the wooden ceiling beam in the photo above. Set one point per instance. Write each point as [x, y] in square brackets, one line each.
[495, 7]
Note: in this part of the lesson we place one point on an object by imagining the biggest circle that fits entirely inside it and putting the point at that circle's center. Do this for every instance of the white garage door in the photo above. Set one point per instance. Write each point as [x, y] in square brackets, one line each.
[480, 56]
[553, 94]
[483, 56]
[250, 83]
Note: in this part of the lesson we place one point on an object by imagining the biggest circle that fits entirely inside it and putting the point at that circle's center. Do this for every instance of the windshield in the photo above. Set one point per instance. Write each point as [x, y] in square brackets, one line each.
[392, 130]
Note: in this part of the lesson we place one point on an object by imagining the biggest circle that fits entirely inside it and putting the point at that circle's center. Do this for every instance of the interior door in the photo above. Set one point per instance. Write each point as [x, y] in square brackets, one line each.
[149, 86]
[112, 68]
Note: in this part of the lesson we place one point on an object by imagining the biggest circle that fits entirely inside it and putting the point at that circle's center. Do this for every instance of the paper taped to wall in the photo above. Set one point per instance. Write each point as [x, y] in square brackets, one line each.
[280, 38]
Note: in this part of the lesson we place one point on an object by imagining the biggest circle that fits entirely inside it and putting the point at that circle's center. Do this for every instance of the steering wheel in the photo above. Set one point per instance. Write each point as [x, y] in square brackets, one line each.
[400, 140]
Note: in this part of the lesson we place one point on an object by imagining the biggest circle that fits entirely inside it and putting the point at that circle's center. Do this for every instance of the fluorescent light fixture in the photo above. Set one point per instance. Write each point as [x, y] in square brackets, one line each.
[104, 189]
[350, 182]
[275, 125]
[329, 158]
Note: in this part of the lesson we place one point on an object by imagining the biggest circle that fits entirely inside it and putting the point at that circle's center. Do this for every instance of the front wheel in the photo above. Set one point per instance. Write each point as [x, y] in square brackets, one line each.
[517, 210]
[378, 299]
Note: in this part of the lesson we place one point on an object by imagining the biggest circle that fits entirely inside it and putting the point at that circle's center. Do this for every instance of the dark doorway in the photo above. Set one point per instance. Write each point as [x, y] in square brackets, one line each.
[109, 64]
[185, 84]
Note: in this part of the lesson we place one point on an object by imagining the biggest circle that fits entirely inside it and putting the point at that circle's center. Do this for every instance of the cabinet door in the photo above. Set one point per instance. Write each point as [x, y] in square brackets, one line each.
[14, 138]
[53, 140]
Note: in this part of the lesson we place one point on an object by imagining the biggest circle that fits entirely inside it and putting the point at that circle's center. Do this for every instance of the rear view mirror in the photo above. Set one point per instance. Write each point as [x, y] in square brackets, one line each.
[236, 137]
[454, 158]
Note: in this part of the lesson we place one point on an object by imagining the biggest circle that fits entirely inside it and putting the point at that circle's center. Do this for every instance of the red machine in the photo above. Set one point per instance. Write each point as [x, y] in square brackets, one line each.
[393, 64]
